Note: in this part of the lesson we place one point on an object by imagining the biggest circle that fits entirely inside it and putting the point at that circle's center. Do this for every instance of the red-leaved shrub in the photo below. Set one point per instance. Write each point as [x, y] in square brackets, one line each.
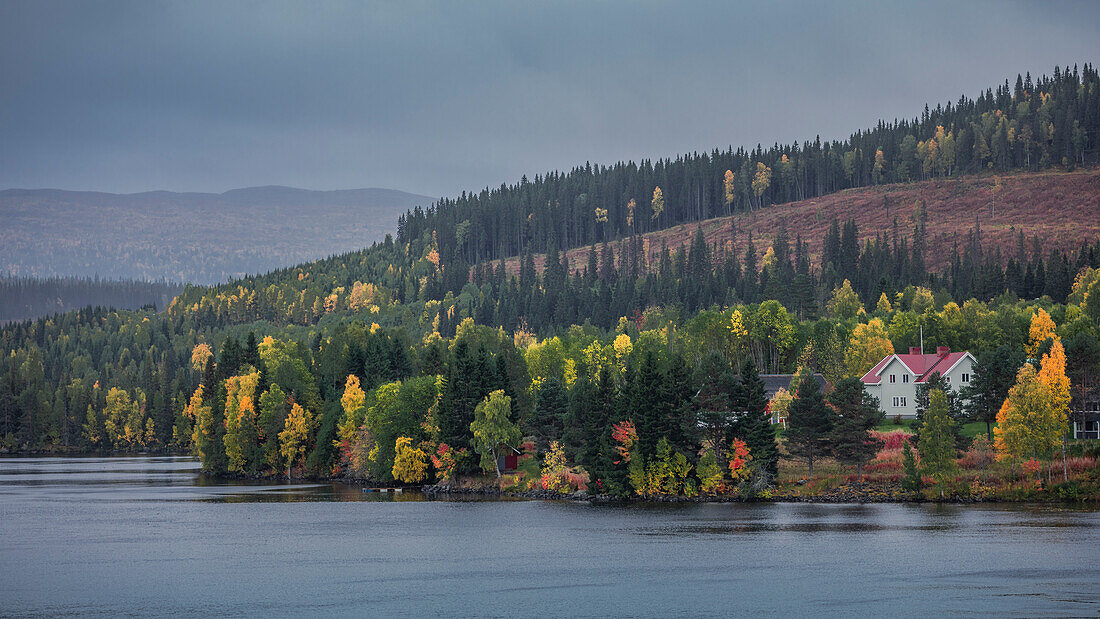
[979, 455]
[1080, 464]
[894, 439]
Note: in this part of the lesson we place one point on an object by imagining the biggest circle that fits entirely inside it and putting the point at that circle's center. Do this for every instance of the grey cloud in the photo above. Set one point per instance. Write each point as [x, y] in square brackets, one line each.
[442, 97]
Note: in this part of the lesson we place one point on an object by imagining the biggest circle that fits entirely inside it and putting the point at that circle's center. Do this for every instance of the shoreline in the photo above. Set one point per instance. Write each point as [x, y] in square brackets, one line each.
[843, 495]
[847, 493]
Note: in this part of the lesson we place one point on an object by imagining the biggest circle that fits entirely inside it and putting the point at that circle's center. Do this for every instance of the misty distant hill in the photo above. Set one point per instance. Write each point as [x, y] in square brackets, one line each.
[23, 298]
[189, 237]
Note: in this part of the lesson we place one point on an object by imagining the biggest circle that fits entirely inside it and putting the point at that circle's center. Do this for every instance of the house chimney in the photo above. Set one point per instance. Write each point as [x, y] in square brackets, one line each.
[914, 350]
[943, 351]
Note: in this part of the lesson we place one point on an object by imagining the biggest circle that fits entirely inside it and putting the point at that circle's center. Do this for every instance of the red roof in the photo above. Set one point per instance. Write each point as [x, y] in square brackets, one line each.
[921, 365]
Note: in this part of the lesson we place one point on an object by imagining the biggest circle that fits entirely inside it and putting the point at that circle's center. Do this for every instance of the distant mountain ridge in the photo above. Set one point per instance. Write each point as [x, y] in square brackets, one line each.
[188, 236]
[265, 194]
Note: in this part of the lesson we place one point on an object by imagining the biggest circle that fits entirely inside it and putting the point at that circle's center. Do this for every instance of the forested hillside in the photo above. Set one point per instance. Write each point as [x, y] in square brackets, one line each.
[1060, 208]
[187, 237]
[420, 347]
[23, 298]
[1033, 124]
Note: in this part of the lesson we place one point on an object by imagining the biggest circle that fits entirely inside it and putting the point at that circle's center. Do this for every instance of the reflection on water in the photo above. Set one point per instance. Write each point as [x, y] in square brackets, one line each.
[151, 536]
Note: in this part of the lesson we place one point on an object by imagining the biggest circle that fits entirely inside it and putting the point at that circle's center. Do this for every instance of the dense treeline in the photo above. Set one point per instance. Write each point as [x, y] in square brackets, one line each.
[414, 285]
[1034, 124]
[99, 380]
[23, 298]
[371, 363]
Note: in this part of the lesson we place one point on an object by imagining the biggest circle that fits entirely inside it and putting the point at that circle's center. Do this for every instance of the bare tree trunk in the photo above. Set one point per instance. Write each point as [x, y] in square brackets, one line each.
[1065, 466]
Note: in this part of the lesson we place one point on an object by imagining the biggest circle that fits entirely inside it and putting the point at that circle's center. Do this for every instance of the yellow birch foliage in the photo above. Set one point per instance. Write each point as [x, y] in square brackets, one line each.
[780, 403]
[1042, 328]
[295, 437]
[761, 180]
[123, 420]
[240, 418]
[658, 203]
[554, 468]
[623, 347]
[354, 402]
[870, 343]
[410, 464]
[739, 331]
[769, 260]
[199, 356]
[883, 305]
[1033, 419]
[202, 433]
[1052, 373]
[845, 302]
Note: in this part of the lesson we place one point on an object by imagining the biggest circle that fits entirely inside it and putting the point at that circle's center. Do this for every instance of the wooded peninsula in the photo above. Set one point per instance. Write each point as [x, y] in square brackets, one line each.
[468, 350]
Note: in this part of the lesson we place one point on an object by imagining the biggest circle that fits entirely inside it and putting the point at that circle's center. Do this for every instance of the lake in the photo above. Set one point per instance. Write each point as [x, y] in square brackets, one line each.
[149, 536]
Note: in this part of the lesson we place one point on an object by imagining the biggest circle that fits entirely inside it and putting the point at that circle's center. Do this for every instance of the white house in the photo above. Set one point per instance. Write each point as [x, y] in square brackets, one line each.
[894, 380]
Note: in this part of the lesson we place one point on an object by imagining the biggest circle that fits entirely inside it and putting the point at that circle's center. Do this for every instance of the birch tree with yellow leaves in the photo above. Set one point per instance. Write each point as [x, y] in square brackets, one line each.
[296, 437]
[1032, 422]
[354, 403]
[1041, 330]
[727, 182]
[657, 205]
[760, 182]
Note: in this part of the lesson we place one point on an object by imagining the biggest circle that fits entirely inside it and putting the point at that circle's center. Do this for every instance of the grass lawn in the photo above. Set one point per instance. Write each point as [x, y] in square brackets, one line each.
[888, 425]
[974, 428]
[969, 430]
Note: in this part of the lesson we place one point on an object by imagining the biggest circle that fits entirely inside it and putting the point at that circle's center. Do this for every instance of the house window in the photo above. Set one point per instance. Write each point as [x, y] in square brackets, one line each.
[966, 378]
[905, 378]
[893, 378]
[903, 402]
[899, 402]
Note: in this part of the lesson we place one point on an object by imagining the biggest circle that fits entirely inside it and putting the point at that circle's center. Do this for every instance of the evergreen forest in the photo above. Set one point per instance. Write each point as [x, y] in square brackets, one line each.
[422, 358]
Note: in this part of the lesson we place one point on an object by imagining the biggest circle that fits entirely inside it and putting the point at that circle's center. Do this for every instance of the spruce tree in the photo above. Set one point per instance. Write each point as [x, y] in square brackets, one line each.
[713, 399]
[857, 414]
[752, 424]
[548, 421]
[579, 431]
[645, 404]
[994, 374]
[937, 443]
[809, 421]
[678, 422]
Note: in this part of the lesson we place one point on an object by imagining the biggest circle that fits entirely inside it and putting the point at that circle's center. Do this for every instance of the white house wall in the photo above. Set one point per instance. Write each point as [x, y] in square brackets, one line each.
[887, 391]
[955, 374]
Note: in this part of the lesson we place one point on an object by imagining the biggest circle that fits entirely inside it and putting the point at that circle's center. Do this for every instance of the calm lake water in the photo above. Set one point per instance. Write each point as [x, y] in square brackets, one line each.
[146, 536]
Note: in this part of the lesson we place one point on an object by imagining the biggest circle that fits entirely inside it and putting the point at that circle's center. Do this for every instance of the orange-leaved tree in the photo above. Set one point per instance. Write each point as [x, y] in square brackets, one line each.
[1032, 421]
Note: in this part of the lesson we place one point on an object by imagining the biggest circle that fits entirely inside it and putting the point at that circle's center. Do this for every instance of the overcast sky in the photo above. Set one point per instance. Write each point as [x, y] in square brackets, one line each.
[437, 98]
